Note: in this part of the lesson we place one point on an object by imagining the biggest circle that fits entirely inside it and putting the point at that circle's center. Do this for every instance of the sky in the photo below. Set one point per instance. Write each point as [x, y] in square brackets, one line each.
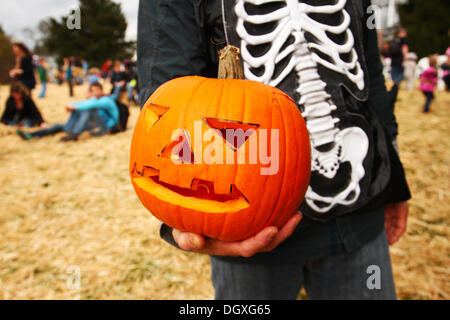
[15, 15]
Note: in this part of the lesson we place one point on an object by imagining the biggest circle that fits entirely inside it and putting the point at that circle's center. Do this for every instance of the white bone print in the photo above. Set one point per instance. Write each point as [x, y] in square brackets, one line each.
[331, 146]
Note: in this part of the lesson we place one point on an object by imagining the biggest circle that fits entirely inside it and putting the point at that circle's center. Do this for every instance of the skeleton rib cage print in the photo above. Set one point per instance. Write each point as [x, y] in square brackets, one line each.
[298, 38]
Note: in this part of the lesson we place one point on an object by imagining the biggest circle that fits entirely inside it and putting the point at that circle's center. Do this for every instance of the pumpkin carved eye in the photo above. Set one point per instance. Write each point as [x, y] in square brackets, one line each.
[235, 133]
[153, 113]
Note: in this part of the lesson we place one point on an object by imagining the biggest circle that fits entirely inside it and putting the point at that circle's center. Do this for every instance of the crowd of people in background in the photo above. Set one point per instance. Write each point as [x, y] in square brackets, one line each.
[99, 114]
[403, 66]
[109, 113]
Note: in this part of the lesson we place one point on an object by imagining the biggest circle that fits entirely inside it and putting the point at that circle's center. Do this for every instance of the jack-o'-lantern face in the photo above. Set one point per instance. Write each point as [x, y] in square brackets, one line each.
[222, 158]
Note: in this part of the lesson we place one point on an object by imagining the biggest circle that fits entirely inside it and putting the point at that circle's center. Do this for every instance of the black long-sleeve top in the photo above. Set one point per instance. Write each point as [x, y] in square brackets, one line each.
[28, 111]
[27, 77]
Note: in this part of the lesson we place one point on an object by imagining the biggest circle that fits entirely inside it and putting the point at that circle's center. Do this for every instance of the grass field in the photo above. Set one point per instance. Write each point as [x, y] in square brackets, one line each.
[70, 207]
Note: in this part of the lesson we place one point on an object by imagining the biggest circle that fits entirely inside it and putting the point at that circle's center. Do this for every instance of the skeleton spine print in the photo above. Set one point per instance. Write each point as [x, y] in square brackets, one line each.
[298, 39]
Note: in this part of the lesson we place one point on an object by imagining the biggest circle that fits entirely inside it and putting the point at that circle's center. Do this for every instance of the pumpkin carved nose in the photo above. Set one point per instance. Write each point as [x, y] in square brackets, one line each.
[179, 150]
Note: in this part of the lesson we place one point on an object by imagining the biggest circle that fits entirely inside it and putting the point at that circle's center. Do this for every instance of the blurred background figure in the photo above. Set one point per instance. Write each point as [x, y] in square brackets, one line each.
[446, 70]
[409, 66]
[78, 72]
[43, 76]
[23, 70]
[20, 108]
[398, 49]
[106, 69]
[68, 74]
[85, 66]
[132, 85]
[428, 82]
[386, 60]
[58, 76]
[118, 77]
[94, 76]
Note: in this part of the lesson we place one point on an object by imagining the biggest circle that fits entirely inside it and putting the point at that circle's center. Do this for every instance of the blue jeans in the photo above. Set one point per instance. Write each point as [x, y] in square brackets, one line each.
[76, 125]
[78, 122]
[27, 123]
[397, 74]
[97, 121]
[130, 89]
[342, 276]
[44, 89]
[429, 98]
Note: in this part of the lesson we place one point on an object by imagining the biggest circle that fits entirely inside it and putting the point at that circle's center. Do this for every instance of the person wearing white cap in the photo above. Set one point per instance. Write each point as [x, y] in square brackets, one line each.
[409, 66]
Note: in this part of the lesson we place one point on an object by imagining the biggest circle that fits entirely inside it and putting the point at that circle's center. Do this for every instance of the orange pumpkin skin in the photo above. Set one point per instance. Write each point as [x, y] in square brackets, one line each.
[241, 201]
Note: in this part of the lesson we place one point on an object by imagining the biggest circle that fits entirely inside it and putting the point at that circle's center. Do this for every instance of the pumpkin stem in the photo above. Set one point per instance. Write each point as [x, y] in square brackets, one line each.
[230, 66]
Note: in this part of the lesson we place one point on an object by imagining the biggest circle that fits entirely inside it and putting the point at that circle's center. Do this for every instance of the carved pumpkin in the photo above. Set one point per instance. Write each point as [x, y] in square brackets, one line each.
[177, 182]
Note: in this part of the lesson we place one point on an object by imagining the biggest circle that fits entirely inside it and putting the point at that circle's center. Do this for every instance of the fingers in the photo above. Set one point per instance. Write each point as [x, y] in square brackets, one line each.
[395, 236]
[398, 231]
[394, 231]
[255, 244]
[246, 248]
[396, 217]
[264, 241]
[286, 231]
[267, 239]
[390, 236]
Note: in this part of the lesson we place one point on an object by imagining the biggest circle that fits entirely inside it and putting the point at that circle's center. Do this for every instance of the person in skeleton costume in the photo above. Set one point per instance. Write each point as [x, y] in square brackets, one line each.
[321, 53]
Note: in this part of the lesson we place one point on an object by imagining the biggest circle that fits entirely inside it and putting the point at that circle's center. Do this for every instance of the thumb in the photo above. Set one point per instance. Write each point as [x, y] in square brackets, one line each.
[197, 241]
[189, 241]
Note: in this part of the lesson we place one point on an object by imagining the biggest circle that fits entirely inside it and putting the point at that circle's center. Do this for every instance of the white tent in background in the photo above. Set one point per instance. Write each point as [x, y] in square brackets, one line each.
[387, 17]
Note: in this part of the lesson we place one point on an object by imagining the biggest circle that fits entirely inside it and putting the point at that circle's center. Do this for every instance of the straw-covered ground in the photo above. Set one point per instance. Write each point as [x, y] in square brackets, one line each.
[69, 209]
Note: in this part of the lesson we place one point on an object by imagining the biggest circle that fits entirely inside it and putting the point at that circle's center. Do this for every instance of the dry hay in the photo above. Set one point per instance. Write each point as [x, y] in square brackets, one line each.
[64, 205]
[421, 259]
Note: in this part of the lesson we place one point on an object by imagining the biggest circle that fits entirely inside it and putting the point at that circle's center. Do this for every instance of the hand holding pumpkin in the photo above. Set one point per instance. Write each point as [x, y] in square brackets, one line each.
[264, 241]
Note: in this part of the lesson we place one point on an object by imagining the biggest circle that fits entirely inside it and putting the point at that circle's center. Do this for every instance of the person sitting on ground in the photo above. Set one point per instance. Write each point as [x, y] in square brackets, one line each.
[20, 109]
[99, 113]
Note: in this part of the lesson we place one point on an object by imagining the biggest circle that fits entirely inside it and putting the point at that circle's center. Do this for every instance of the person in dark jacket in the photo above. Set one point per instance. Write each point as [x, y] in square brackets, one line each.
[118, 77]
[333, 246]
[398, 49]
[24, 69]
[20, 109]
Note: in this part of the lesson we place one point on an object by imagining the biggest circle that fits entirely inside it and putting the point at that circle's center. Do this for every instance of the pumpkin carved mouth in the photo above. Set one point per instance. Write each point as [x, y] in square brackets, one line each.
[200, 196]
